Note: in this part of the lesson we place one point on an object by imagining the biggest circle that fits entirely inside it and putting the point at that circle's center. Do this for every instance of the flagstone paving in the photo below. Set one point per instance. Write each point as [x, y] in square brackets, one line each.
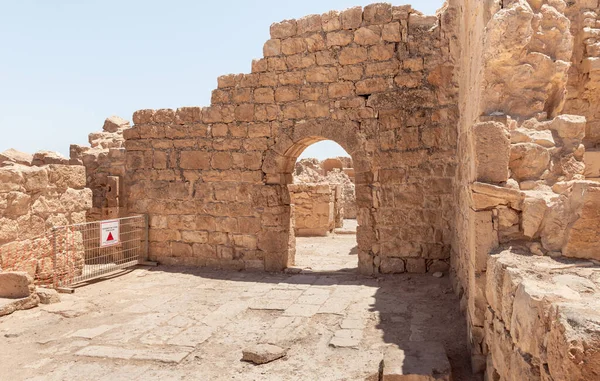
[175, 323]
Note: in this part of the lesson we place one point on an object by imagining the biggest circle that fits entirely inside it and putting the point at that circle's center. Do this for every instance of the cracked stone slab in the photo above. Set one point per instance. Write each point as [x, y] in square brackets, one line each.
[346, 338]
[172, 355]
[90, 333]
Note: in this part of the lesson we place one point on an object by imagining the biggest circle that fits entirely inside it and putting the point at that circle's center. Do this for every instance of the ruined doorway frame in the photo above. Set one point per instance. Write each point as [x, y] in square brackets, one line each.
[280, 162]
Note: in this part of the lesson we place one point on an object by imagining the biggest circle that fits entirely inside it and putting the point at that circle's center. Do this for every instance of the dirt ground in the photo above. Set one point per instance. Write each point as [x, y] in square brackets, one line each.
[335, 253]
[171, 323]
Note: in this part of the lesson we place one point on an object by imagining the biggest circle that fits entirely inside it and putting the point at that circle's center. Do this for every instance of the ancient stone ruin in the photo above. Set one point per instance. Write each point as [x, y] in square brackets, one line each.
[475, 151]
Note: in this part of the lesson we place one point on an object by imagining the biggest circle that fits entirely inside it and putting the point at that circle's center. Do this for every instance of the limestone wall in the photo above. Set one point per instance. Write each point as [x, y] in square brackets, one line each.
[316, 208]
[542, 322]
[33, 199]
[104, 163]
[521, 159]
[377, 80]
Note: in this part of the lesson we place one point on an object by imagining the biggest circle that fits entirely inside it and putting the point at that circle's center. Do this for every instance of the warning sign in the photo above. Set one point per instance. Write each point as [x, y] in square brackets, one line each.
[109, 233]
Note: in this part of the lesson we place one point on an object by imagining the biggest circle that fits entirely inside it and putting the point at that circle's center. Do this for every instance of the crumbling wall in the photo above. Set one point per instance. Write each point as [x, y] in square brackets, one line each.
[378, 81]
[521, 163]
[311, 170]
[104, 163]
[34, 199]
[315, 208]
[584, 78]
[542, 321]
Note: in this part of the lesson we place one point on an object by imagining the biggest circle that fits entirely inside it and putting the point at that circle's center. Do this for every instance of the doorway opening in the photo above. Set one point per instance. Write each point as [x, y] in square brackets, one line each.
[323, 218]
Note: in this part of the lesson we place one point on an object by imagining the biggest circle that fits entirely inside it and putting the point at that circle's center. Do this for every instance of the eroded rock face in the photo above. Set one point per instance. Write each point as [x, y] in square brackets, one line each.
[527, 56]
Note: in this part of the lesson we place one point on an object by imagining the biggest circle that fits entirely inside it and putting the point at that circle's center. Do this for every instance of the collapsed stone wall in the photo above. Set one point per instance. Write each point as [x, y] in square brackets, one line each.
[38, 193]
[378, 81]
[584, 78]
[317, 208]
[104, 162]
[330, 171]
[521, 172]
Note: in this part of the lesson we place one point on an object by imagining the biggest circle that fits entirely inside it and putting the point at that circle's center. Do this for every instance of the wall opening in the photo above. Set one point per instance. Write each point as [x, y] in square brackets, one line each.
[323, 210]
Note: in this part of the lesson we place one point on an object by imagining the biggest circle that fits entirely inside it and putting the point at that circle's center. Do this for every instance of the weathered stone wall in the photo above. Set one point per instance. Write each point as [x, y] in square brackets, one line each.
[33, 199]
[584, 74]
[542, 322]
[520, 159]
[584, 78]
[315, 208]
[104, 163]
[377, 80]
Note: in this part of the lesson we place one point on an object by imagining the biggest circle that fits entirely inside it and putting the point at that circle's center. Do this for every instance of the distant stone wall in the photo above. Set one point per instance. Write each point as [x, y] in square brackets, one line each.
[317, 210]
[33, 199]
[330, 171]
[104, 162]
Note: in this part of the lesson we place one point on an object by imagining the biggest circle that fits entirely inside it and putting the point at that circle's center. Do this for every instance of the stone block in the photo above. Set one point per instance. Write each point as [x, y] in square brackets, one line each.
[48, 295]
[15, 285]
[14, 156]
[115, 123]
[284, 29]
[592, 164]
[392, 266]
[263, 353]
[195, 160]
[492, 152]
[583, 236]
[379, 13]
[352, 18]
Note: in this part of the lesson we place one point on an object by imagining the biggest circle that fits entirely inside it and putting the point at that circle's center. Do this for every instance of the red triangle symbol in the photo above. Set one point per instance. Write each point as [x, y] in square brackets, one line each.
[110, 237]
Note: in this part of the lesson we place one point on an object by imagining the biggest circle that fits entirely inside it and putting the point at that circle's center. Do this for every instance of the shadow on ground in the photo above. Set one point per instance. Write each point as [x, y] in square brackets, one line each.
[404, 307]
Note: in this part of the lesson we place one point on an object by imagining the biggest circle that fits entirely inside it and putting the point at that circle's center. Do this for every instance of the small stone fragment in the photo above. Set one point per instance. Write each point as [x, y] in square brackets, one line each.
[263, 353]
[48, 296]
[438, 275]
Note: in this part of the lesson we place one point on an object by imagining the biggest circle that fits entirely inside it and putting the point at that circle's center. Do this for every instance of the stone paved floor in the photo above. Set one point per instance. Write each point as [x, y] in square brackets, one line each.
[170, 323]
[335, 253]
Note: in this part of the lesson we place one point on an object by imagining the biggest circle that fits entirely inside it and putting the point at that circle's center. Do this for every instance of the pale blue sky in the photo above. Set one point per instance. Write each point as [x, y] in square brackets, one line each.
[67, 65]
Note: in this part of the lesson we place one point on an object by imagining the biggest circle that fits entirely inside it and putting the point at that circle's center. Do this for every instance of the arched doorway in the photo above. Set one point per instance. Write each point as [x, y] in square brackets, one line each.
[323, 210]
[280, 162]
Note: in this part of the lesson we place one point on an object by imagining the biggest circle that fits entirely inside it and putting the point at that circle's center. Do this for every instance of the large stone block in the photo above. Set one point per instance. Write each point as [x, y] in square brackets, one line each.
[528, 161]
[15, 285]
[583, 237]
[592, 164]
[492, 152]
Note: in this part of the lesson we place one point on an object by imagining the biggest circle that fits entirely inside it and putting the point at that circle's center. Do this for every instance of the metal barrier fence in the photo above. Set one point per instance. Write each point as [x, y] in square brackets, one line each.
[92, 249]
[66, 255]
